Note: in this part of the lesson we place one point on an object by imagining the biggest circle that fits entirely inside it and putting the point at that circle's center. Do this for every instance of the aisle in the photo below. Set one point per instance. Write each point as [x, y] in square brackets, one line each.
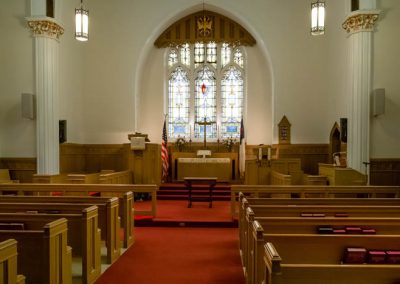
[179, 256]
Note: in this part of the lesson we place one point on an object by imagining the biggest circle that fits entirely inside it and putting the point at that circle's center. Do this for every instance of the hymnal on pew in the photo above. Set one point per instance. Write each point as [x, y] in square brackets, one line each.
[393, 257]
[376, 257]
[355, 255]
[353, 230]
[325, 230]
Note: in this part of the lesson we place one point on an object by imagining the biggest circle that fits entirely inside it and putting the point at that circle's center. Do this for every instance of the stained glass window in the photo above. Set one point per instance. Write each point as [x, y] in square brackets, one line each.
[212, 53]
[205, 103]
[231, 102]
[226, 51]
[205, 84]
[185, 54]
[238, 57]
[172, 57]
[178, 99]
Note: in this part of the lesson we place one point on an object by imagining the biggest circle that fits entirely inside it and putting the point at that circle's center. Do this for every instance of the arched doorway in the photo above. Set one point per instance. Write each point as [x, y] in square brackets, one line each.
[334, 142]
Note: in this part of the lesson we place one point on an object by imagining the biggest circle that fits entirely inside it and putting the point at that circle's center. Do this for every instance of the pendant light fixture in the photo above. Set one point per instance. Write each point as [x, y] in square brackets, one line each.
[203, 31]
[318, 18]
[81, 23]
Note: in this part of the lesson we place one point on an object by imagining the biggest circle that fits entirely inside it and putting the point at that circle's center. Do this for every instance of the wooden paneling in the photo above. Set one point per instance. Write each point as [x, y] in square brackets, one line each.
[286, 166]
[233, 156]
[72, 158]
[385, 171]
[105, 157]
[145, 165]
[342, 176]
[257, 172]
[91, 158]
[21, 169]
[310, 155]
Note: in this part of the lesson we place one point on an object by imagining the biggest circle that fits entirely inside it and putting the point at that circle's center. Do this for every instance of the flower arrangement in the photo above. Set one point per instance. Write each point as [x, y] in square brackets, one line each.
[180, 143]
[229, 142]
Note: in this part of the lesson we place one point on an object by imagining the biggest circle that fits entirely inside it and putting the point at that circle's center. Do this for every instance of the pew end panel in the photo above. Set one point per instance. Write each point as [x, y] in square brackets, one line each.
[43, 255]
[8, 263]
[278, 273]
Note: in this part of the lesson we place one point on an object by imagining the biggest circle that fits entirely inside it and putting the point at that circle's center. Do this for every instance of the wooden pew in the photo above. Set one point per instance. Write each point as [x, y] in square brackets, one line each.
[104, 189]
[342, 211]
[246, 202]
[83, 236]
[125, 207]
[43, 254]
[123, 177]
[8, 263]
[304, 259]
[5, 176]
[304, 225]
[108, 220]
[311, 191]
[82, 178]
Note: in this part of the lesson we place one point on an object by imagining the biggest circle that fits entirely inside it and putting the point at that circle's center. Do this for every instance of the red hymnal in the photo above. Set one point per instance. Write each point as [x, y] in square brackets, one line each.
[355, 255]
[341, 215]
[339, 231]
[376, 257]
[393, 257]
[368, 231]
[353, 230]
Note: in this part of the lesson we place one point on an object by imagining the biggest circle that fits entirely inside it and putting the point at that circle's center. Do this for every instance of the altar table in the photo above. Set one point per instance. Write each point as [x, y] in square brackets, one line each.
[190, 181]
[205, 167]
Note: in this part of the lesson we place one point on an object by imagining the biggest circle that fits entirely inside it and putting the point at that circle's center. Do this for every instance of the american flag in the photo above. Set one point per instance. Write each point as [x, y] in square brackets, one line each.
[242, 150]
[164, 153]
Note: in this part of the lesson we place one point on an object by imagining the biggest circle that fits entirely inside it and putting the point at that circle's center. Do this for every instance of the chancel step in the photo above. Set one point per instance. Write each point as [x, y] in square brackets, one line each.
[178, 191]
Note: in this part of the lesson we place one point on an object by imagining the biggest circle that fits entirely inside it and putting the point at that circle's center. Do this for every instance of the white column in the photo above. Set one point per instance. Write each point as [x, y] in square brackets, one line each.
[359, 25]
[46, 32]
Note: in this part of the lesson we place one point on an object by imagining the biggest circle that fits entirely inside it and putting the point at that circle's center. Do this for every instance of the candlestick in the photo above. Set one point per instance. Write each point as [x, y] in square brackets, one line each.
[260, 153]
[269, 153]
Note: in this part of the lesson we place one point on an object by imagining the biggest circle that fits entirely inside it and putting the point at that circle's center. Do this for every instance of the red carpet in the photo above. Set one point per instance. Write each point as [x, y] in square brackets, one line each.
[179, 256]
[175, 213]
[178, 210]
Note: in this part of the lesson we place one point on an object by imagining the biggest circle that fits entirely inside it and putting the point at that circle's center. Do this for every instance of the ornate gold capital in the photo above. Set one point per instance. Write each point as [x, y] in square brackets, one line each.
[360, 21]
[45, 27]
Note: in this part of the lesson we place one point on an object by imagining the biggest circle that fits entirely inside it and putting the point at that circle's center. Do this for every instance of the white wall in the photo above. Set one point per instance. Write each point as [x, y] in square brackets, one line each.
[119, 71]
[72, 75]
[17, 135]
[385, 129]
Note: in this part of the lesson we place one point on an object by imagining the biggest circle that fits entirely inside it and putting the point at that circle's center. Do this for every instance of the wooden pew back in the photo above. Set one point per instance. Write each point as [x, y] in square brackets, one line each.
[83, 235]
[108, 220]
[125, 207]
[309, 248]
[8, 263]
[43, 254]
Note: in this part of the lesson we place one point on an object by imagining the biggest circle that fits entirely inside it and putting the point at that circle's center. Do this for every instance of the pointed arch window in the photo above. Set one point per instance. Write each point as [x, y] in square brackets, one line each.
[178, 103]
[206, 81]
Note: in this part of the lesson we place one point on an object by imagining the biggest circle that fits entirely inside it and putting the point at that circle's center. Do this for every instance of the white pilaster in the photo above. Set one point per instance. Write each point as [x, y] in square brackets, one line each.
[46, 32]
[359, 25]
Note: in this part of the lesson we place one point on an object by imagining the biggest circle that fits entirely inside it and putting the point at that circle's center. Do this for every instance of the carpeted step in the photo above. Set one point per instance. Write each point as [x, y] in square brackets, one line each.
[197, 191]
[178, 191]
[183, 223]
[185, 197]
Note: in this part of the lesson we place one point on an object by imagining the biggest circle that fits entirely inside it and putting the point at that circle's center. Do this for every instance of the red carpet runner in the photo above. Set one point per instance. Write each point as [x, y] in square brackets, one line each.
[179, 256]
